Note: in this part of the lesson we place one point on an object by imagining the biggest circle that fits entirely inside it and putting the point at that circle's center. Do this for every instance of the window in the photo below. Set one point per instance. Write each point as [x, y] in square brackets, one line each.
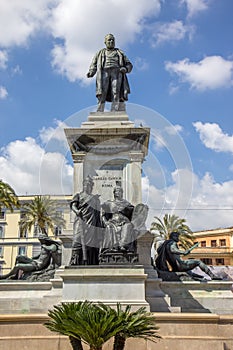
[207, 261]
[220, 261]
[222, 242]
[36, 231]
[2, 214]
[57, 231]
[22, 233]
[1, 231]
[203, 243]
[213, 243]
[22, 250]
[1, 251]
[59, 214]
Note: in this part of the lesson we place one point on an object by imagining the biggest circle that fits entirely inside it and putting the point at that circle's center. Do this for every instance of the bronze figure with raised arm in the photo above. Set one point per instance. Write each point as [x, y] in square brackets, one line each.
[169, 255]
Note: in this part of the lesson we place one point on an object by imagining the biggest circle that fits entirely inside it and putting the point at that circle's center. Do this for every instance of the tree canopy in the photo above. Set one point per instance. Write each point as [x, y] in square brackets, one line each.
[94, 324]
[41, 213]
[172, 223]
[8, 197]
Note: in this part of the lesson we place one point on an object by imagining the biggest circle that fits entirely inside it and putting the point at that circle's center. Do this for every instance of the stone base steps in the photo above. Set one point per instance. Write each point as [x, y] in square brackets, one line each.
[178, 331]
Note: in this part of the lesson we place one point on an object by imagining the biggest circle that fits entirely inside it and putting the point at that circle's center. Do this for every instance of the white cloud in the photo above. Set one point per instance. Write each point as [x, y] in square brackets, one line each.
[159, 139]
[77, 26]
[173, 88]
[173, 129]
[208, 206]
[3, 59]
[82, 26]
[214, 201]
[54, 133]
[141, 64]
[195, 6]
[166, 137]
[37, 171]
[16, 70]
[170, 32]
[210, 73]
[19, 20]
[3, 93]
[213, 137]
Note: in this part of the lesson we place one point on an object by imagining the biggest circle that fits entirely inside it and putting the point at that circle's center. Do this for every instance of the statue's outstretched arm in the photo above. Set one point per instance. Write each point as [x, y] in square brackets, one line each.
[175, 250]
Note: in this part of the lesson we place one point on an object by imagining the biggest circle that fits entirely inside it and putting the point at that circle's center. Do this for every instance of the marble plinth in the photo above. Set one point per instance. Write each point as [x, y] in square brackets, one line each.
[109, 285]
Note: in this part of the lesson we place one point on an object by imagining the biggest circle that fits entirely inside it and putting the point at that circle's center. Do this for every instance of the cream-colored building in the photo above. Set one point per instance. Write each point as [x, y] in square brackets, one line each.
[215, 246]
[14, 241]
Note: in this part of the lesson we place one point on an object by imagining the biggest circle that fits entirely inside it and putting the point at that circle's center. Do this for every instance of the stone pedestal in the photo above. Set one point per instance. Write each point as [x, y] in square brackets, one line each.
[110, 149]
[124, 284]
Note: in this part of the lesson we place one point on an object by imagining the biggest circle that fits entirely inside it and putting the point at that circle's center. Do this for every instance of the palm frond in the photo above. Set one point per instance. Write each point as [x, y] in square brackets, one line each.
[8, 197]
[172, 223]
[136, 324]
[42, 213]
[94, 324]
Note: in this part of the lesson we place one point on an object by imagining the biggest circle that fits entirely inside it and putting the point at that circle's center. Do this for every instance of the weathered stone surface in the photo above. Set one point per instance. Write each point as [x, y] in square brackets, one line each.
[178, 331]
[124, 284]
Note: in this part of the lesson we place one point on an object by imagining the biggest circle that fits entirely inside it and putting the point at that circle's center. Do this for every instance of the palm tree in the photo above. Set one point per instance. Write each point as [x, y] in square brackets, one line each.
[137, 324]
[41, 213]
[8, 198]
[172, 223]
[85, 321]
[98, 326]
[61, 316]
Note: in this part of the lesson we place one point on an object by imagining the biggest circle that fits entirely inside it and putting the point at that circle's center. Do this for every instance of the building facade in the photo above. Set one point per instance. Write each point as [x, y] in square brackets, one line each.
[215, 246]
[14, 241]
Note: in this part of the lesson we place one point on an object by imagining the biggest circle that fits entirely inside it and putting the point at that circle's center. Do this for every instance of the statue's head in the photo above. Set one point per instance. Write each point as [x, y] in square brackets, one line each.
[175, 236]
[44, 239]
[118, 191]
[88, 184]
[42, 236]
[109, 41]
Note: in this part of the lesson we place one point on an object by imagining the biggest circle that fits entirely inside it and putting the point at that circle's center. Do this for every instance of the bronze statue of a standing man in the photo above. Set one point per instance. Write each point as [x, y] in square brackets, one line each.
[111, 66]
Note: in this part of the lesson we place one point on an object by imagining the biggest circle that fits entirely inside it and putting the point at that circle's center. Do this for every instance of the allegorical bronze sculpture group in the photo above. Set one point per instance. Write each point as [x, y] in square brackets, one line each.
[107, 231]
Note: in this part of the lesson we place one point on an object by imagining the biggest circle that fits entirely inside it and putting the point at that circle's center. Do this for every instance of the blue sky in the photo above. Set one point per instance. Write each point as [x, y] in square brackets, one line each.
[182, 87]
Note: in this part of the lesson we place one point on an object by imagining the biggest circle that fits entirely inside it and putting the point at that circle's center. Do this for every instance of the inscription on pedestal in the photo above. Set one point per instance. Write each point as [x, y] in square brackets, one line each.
[105, 182]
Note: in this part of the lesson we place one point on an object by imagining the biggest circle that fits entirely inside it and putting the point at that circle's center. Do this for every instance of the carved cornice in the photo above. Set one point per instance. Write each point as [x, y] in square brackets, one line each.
[78, 157]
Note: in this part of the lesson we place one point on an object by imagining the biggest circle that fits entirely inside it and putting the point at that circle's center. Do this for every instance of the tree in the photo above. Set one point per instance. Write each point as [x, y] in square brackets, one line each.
[137, 324]
[41, 213]
[61, 316]
[84, 321]
[8, 197]
[94, 324]
[172, 223]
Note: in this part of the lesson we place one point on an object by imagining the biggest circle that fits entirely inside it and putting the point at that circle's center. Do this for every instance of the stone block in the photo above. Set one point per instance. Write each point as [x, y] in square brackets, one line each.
[105, 284]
